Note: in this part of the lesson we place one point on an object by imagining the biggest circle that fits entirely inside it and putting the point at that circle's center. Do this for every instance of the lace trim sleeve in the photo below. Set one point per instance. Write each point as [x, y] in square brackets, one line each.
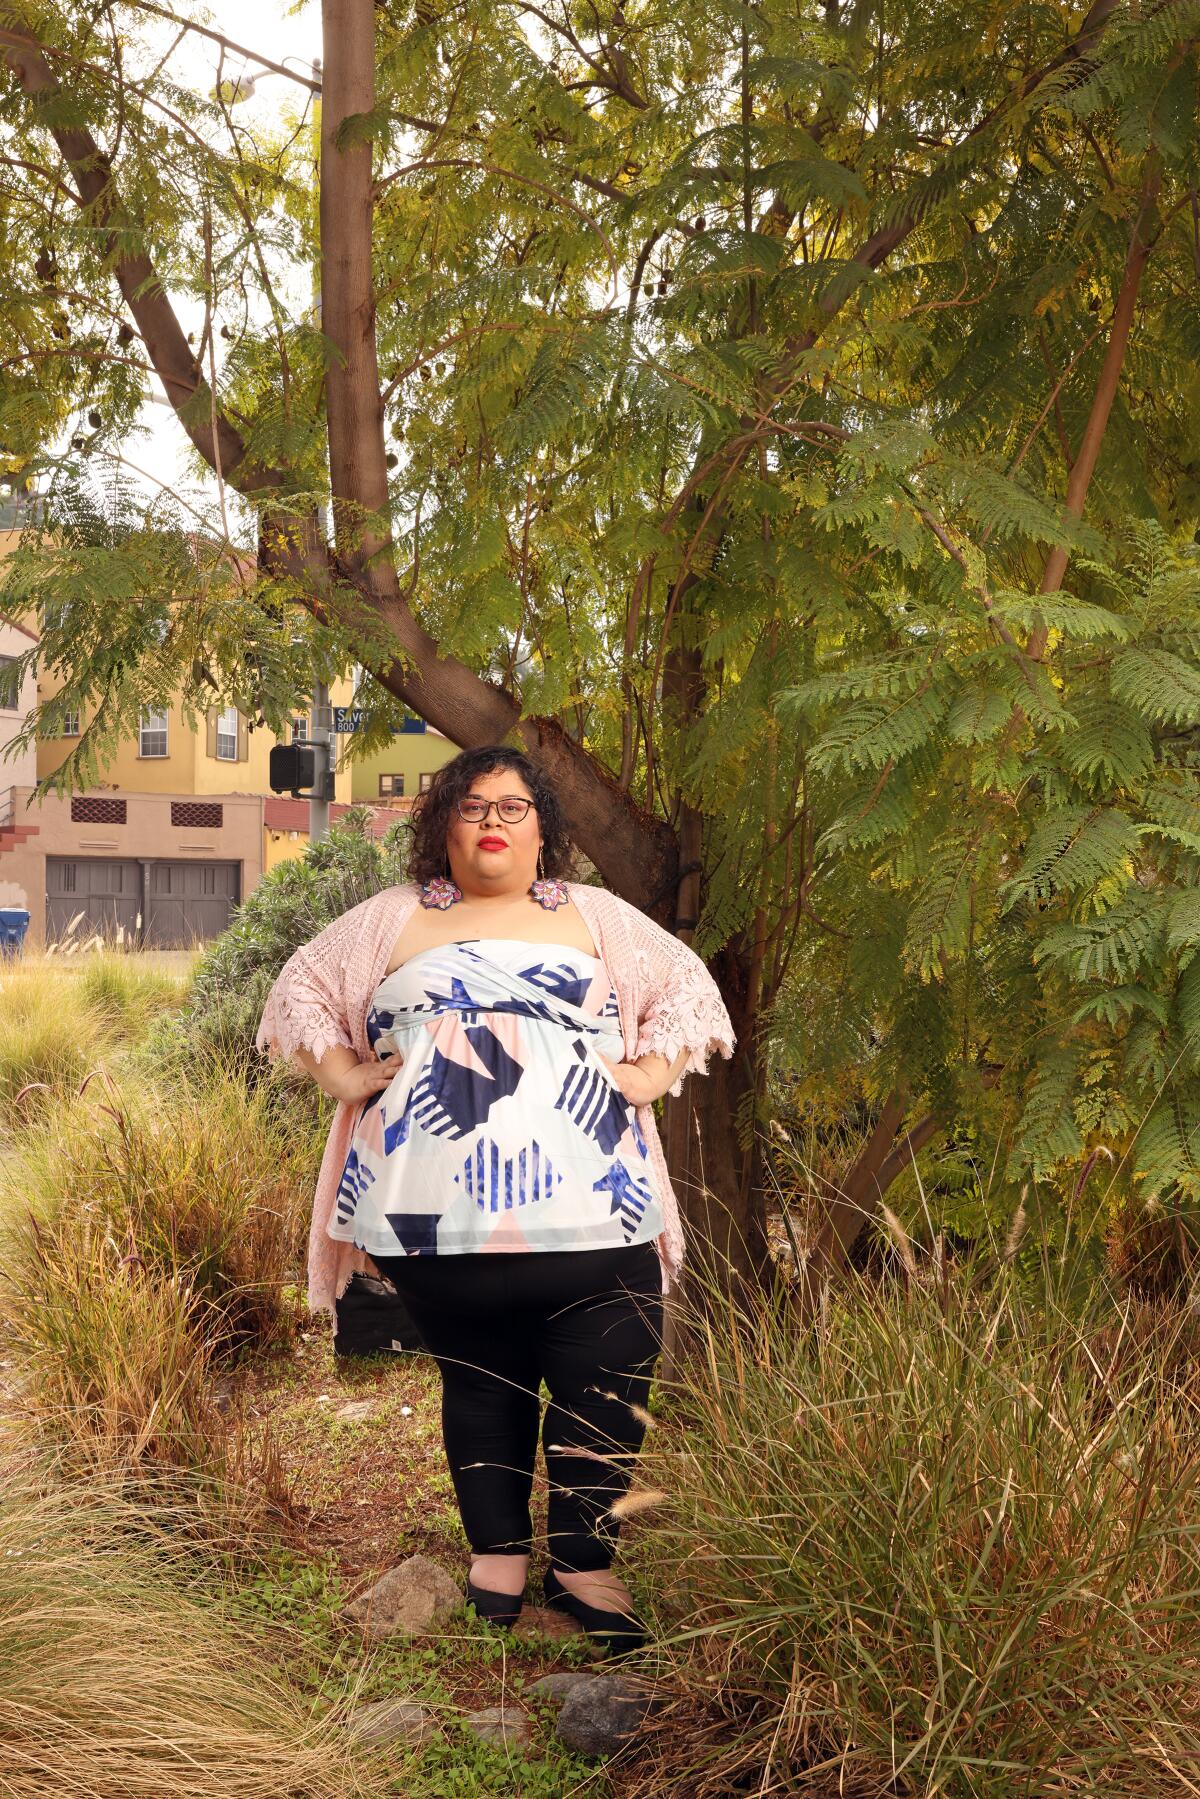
[302, 1012]
[683, 1010]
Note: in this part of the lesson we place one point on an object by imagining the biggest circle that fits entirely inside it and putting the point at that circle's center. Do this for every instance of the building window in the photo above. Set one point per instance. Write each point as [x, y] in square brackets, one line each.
[227, 735]
[6, 704]
[426, 783]
[300, 730]
[152, 734]
[70, 725]
[390, 786]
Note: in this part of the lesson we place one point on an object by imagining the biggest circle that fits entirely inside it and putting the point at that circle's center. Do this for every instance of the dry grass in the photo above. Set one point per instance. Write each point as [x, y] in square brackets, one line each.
[60, 1020]
[210, 1185]
[946, 1543]
[117, 1360]
[145, 1242]
[117, 1682]
[48, 1036]
[126, 992]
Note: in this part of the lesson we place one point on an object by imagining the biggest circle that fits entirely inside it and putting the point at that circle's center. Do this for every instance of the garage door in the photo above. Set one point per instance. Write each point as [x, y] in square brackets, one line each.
[108, 892]
[190, 902]
[186, 902]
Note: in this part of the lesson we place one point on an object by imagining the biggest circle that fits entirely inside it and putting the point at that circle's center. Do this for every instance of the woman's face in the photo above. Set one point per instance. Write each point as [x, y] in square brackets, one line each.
[495, 855]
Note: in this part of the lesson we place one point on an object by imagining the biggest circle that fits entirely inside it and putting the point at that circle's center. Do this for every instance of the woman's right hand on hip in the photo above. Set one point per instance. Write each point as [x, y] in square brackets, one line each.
[363, 1080]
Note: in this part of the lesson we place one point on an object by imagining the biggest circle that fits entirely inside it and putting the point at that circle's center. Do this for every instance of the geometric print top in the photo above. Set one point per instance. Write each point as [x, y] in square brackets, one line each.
[502, 1130]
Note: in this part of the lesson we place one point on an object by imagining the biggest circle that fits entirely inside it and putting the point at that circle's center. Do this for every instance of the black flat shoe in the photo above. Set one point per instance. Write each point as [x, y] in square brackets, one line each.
[497, 1608]
[619, 1632]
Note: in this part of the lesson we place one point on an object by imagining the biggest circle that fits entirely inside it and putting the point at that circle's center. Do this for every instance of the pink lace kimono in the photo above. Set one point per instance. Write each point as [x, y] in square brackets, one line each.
[666, 998]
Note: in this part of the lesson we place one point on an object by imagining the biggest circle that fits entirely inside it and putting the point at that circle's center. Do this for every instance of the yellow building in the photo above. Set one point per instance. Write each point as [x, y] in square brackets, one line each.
[182, 823]
[404, 768]
[169, 755]
[174, 835]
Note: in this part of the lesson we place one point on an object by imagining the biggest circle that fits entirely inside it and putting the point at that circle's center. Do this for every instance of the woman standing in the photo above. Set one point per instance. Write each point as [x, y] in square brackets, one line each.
[496, 1035]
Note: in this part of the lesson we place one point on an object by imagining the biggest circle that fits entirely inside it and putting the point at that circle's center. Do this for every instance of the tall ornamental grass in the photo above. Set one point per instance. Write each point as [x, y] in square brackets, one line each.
[144, 1240]
[126, 993]
[61, 1020]
[946, 1541]
[211, 1185]
[49, 1038]
[116, 1682]
[117, 1364]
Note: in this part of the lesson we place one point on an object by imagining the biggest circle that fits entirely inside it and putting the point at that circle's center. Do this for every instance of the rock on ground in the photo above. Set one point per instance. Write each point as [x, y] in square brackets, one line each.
[601, 1714]
[354, 1411]
[390, 1720]
[502, 1725]
[412, 1597]
[556, 1685]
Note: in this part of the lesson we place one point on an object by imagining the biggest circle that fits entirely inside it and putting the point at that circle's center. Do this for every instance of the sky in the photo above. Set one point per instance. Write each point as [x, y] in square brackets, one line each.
[274, 30]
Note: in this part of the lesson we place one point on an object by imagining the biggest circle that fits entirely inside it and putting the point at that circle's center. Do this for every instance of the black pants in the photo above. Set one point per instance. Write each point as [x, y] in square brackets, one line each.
[588, 1323]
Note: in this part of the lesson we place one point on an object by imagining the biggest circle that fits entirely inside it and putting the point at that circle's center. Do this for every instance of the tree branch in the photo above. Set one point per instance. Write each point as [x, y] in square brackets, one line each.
[633, 850]
[227, 43]
[1140, 245]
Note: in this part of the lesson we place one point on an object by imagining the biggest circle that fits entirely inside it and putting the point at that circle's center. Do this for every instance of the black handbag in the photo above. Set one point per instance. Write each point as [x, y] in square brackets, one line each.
[372, 1319]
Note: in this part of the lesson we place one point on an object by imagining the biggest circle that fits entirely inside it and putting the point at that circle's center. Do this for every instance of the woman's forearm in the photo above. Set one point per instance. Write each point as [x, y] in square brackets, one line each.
[330, 1072]
[660, 1074]
[647, 1079]
[340, 1073]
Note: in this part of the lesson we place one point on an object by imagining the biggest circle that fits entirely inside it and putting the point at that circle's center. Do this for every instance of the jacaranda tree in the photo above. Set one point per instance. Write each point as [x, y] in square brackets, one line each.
[778, 416]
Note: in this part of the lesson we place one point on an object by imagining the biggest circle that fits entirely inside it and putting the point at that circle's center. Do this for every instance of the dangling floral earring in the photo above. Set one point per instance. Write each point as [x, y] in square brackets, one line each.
[442, 891]
[549, 893]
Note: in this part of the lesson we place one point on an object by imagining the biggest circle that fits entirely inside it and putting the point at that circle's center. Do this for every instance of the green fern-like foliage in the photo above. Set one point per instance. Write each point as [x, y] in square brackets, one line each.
[731, 438]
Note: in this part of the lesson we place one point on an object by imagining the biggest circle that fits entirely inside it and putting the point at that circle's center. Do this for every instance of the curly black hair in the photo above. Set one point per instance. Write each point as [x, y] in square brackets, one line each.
[433, 809]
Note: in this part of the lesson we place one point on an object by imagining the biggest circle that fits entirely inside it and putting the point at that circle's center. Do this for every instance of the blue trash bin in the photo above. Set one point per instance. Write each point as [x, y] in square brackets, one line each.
[13, 925]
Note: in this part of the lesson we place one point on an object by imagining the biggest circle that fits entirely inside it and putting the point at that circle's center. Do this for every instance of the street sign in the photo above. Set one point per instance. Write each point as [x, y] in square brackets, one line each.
[350, 718]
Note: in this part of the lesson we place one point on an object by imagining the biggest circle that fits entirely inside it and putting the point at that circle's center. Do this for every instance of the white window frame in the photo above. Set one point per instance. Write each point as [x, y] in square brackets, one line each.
[300, 729]
[149, 732]
[70, 727]
[227, 734]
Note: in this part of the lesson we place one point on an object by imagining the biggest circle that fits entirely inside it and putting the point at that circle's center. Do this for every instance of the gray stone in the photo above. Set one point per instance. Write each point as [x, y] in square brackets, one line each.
[413, 1596]
[389, 1721]
[556, 1685]
[601, 1714]
[355, 1410]
[502, 1725]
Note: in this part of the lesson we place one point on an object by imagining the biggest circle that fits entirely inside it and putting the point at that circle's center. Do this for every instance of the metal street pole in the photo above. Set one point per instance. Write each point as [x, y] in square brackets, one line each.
[320, 727]
[321, 737]
[321, 733]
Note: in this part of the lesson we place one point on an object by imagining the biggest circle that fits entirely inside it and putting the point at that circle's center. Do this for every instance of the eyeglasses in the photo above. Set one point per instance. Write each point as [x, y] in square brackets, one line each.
[510, 810]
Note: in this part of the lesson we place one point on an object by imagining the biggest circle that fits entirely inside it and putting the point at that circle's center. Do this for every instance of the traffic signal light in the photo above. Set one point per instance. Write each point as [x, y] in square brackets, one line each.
[293, 767]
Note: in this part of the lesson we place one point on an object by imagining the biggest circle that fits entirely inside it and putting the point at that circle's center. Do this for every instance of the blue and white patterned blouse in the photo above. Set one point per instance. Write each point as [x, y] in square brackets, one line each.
[502, 1129]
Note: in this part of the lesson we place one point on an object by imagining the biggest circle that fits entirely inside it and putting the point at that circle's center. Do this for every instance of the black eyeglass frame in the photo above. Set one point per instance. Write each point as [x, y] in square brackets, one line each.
[511, 798]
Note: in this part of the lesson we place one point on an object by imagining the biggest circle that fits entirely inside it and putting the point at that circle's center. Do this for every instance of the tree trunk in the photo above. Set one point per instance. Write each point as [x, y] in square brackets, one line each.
[722, 1209]
[717, 1178]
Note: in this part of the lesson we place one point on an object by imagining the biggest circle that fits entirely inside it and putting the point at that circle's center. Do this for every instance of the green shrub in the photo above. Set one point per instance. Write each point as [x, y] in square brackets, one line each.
[292, 902]
[114, 1684]
[947, 1542]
